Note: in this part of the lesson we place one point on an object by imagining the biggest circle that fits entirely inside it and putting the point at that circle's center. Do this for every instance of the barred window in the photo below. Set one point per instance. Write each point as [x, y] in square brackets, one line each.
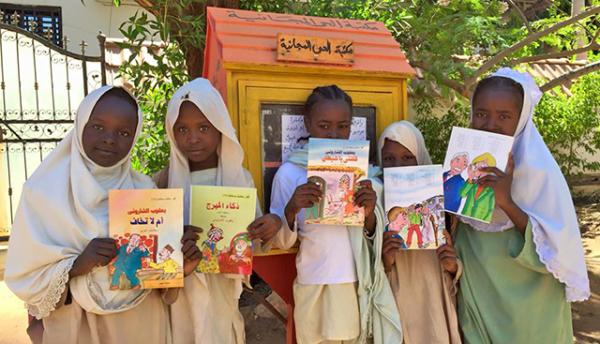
[45, 21]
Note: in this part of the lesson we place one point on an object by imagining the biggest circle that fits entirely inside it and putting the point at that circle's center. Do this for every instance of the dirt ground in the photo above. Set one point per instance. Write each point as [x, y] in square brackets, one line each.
[263, 327]
[586, 315]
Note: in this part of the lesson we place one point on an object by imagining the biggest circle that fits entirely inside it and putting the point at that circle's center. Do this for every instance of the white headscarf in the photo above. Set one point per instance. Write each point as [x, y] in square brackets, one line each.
[231, 154]
[406, 134]
[64, 205]
[540, 190]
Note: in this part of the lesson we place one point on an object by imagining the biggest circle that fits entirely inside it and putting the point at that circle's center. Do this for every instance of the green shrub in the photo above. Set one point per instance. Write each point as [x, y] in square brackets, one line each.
[154, 84]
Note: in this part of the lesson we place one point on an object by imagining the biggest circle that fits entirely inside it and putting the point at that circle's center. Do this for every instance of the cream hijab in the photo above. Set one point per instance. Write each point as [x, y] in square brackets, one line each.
[406, 134]
[540, 189]
[231, 154]
[63, 206]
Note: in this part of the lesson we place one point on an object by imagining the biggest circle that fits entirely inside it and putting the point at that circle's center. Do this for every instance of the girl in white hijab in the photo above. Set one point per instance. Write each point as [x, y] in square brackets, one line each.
[206, 151]
[522, 270]
[60, 245]
[423, 281]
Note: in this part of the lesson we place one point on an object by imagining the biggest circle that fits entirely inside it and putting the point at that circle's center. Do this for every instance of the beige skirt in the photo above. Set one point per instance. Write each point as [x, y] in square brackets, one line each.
[326, 313]
[147, 323]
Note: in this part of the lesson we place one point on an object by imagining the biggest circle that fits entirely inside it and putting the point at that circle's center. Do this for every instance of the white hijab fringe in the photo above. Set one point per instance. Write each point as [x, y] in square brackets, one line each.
[540, 190]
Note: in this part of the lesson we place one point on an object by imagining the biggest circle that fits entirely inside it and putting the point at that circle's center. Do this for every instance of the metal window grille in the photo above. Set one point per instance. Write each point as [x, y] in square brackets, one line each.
[45, 21]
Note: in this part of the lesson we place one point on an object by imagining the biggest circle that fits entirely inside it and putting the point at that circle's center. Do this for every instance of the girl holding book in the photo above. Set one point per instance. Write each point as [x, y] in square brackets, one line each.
[521, 270]
[60, 246]
[423, 281]
[338, 296]
[206, 151]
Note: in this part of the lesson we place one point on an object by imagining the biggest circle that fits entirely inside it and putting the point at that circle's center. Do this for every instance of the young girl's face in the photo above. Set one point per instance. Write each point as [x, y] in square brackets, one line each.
[329, 119]
[496, 111]
[195, 136]
[109, 132]
[394, 154]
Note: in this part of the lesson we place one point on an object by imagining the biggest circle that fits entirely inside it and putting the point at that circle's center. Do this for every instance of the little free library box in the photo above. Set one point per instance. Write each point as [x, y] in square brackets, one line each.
[266, 64]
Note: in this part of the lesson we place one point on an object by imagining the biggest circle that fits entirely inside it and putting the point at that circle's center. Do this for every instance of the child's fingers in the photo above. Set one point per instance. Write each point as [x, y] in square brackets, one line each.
[258, 233]
[360, 199]
[193, 228]
[110, 243]
[445, 256]
[363, 192]
[309, 198]
[256, 224]
[394, 241]
[387, 235]
[192, 254]
[494, 170]
[307, 192]
[310, 187]
[190, 235]
[510, 166]
[196, 255]
[443, 250]
[365, 184]
[188, 246]
[106, 252]
[448, 238]
[103, 260]
[392, 246]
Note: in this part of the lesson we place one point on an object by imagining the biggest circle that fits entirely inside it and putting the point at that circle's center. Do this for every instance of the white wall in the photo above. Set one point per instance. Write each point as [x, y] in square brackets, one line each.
[84, 21]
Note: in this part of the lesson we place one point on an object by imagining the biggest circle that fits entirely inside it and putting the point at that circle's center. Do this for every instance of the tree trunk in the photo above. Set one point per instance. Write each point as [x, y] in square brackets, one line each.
[194, 56]
[577, 7]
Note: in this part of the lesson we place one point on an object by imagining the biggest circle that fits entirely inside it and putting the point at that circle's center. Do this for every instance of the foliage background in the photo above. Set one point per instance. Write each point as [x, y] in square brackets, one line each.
[475, 33]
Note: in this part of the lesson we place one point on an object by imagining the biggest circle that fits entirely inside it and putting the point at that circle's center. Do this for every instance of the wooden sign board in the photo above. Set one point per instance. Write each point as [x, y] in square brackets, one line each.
[314, 49]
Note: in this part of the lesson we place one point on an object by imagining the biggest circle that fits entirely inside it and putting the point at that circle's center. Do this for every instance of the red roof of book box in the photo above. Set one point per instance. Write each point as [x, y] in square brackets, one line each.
[251, 37]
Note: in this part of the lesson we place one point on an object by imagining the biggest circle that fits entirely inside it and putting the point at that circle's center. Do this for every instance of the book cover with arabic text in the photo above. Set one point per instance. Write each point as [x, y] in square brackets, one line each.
[147, 226]
[337, 166]
[224, 214]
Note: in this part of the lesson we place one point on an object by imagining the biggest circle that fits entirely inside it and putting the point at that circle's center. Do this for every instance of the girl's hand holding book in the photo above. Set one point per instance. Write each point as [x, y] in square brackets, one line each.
[366, 197]
[305, 196]
[191, 252]
[98, 252]
[447, 255]
[391, 244]
[264, 228]
[501, 182]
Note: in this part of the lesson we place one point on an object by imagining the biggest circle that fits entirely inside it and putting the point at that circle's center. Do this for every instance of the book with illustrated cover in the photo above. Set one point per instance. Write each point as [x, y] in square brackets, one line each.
[414, 205]
[470, 150]
[224, 214]
[337, 166]
[147, 226]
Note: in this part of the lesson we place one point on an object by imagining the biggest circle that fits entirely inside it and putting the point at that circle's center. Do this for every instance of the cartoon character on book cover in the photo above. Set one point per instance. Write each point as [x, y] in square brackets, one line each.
[337, 166]
[224, 213]
[128, 262]
[468, 152]
[237, 259]
[413, 201]
[147, 227]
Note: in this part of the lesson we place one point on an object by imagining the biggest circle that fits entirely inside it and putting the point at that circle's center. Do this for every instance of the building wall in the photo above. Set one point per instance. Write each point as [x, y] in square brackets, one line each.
[83, 21]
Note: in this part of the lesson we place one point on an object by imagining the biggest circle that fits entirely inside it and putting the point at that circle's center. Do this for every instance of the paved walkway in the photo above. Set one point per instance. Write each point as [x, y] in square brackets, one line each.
[12, 311]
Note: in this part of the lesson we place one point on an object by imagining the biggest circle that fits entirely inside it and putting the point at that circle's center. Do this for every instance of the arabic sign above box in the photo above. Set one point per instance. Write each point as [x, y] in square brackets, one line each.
[314, 49]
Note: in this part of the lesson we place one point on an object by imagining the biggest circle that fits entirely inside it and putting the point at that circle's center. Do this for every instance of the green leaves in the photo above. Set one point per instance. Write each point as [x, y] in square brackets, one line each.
[156, 68]
[570, 125]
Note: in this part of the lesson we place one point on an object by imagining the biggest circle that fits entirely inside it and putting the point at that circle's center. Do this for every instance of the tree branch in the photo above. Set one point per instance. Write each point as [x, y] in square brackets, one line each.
[453, 84]
[489, 64]
[521, 14]
[555, 55]
[589, 68]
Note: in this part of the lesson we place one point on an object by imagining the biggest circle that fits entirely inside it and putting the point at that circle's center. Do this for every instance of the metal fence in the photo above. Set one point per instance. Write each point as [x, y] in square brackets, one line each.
[41, 85]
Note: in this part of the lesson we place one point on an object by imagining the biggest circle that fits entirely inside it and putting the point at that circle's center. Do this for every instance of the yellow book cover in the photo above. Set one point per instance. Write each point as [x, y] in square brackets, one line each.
[147, 226]
[224, 214]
